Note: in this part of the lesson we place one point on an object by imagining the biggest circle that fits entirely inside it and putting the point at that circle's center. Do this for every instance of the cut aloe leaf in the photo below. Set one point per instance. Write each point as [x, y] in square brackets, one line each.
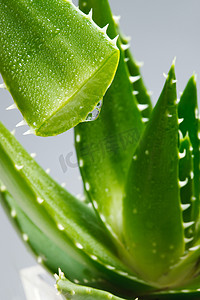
[155, 238]
[188, 111]
[105, 147]
[54, 75]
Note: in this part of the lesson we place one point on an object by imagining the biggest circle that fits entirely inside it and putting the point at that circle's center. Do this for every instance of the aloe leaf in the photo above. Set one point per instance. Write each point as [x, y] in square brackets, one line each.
[55, 76]
[140, 90]
[155, 238]
[77, 292]
[188, 111]
[69, 223]
[44, 249]
[184, 294]
[187, 191]
[105, 147]
[40, 197]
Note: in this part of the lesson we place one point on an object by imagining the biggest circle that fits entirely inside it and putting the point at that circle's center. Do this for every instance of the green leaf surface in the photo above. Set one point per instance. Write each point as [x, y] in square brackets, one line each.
[186, 192]
[39, 195]
[152, 213]
[69, 223]
[105, 147]
[44, 249]
[55, 61]
[140, 90]
[187, 109]
[77, 292]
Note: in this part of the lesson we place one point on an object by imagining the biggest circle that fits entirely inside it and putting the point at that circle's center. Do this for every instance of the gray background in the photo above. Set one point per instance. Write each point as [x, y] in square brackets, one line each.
[160, 31]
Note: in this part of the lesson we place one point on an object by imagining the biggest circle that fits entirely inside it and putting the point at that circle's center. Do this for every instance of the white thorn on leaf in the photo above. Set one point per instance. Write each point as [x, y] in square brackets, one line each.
[110, 267]
[149, 93]
[194, 248]
[187, 224]
[56, 277]
[191, 174]
[90, 14]
[182, 154]
[94, 257]
[13, 132]
[79, 246]
[60, 273]
[174, 81]
[114, 41]
[87, 186]
[180, 120]
[48, 170]
[125, 46]
[3, 188]
[13, 213]
[180, 134]
[126, 59]
[104, 29]
[30, 131]
[40, 200]
[185, 206]
[25, 237]
[135, 93]
[60, 227]
[3, 86]
[78, 138]
[63, 184]
[177, 100]
[13, 106]
[196, 113]
[142, 107]
[81, 163]
[39, 259]
[169, 115]
[95, 204]
[21, 123]
[140, 64]
[145, 120]
[33, 155]
[116, 19]
[165, 75]
[186, 240]
[18, 167]
[134, 78]
[183, 183]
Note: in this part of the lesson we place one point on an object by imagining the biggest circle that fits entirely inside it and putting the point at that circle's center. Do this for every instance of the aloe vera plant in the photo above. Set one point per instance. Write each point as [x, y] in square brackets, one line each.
[137, 233]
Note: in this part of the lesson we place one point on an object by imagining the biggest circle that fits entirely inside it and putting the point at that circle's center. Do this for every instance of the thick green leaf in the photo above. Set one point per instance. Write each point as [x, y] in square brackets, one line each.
[186, 192]
[40, 197]
[55, 61]
[69, 223]
[45, 250]
[187, 109]
[77, 292]
[174, 295]
[105, 147]
[140, 91]
[152, 213]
